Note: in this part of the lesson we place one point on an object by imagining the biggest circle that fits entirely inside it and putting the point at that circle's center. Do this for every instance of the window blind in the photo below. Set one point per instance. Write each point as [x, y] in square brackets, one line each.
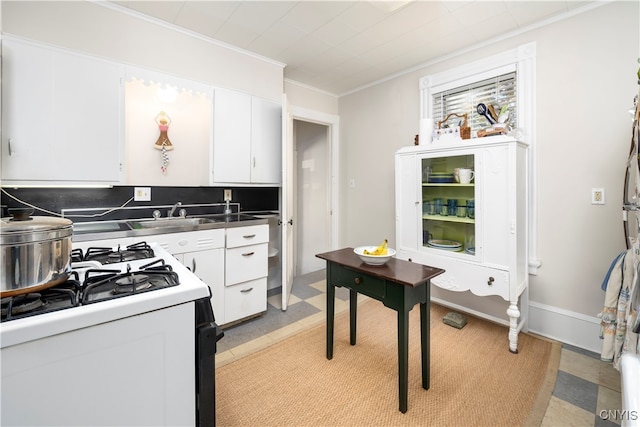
[497, 91]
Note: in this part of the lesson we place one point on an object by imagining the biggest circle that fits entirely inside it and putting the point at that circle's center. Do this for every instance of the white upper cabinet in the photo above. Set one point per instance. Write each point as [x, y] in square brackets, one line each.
[266, 140]
[247, 136]
[61, 116]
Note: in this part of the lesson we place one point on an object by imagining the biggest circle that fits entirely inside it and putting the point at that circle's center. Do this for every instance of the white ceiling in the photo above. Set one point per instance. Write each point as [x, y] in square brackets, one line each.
[340, 46]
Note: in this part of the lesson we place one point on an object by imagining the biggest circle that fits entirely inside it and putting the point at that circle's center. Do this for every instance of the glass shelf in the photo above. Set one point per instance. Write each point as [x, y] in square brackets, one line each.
[449, 218]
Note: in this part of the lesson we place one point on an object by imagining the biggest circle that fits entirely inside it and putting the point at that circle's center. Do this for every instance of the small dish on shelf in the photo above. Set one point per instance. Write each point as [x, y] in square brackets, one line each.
[448, 245]
[441, 178]
[470, 251]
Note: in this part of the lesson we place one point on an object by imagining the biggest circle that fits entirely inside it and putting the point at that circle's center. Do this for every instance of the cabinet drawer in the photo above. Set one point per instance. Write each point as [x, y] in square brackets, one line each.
[245, 299]
[367, 285]
[250, 235]
[246, 263]
[189, 241]
[479, 279]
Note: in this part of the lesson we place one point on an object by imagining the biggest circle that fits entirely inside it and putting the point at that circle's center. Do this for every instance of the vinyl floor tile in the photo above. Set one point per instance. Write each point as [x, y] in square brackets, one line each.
[576, 391]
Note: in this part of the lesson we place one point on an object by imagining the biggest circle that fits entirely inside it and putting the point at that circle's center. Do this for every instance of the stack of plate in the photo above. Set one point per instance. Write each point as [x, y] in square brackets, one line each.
[441, 178]
[470, 251]
[447, 245]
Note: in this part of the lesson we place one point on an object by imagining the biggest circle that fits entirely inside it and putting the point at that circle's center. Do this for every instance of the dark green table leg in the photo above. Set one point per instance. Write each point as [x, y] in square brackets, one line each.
[331, 292]
[353, 310]
[403, 358]
[425, 344]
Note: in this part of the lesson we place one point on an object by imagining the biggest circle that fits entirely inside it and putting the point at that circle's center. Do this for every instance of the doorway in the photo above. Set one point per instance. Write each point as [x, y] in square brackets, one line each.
[309, 193]
[312, 195]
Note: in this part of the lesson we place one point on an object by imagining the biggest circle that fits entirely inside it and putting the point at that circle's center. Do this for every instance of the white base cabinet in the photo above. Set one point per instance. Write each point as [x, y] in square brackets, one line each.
[476, 231]
[246, 270]
[202, 252]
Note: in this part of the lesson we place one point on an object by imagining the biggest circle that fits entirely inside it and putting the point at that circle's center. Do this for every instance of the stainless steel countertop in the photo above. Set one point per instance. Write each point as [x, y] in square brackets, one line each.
[99, 230]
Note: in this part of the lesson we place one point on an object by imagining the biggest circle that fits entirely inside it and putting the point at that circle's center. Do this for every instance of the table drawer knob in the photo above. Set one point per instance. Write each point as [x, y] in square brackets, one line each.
[357, 280]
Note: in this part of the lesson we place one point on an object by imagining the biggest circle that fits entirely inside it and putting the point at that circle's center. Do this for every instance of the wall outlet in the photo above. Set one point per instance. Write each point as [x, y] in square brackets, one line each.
[597, 196]
[142, 194]
[227, 195]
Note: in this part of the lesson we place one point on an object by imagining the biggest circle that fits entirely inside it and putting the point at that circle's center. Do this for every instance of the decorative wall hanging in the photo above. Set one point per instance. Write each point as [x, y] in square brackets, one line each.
[163, 143]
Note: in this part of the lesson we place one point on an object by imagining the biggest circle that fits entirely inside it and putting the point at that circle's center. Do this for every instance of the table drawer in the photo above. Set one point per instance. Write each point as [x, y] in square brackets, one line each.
[367, 285]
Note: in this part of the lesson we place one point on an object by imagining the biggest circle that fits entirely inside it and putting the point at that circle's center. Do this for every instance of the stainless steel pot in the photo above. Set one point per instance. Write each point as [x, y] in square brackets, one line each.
[35, 253]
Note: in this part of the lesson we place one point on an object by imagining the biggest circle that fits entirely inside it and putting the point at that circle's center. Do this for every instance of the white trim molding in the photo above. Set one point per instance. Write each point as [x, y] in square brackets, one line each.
[565, 326]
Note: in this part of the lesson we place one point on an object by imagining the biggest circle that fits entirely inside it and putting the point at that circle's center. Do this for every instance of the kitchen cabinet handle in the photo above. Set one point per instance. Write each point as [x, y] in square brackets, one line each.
[249, 236]
[248, 253]
[244, 291]
[10, 152]
[193, 263]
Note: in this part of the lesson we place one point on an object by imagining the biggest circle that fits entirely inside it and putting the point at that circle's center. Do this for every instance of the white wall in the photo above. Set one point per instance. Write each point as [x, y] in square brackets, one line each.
[586, 82]
[309, 98]
[110, 33]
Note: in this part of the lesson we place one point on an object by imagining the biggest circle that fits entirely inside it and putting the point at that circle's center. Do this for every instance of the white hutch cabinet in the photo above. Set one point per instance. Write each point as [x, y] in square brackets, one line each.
[476, 231]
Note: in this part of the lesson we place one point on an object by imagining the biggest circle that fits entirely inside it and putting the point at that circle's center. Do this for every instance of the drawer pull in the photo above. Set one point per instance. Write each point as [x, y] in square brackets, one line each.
[249, 236]
[248, 254]
[244, 291]
[490, 281]
[357, 280]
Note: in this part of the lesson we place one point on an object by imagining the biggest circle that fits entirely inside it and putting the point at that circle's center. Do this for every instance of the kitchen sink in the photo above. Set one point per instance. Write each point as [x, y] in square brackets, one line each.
[171, 222]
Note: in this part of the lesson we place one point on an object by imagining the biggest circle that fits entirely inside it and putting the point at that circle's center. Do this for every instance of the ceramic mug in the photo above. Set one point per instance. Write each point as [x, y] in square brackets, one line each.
[466, 175]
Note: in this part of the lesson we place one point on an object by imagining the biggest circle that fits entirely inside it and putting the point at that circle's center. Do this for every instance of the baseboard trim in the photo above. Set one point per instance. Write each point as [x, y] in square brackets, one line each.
[565, 326]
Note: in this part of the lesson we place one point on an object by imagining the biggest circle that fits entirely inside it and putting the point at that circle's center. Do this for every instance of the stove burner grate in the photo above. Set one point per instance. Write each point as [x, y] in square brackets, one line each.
[101, 285]
[131, 283]
[62, 296]
[140, 250]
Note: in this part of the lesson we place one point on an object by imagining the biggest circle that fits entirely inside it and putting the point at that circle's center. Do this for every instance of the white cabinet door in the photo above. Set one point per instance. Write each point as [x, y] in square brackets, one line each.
[266, 141]
[231, 137]
[247, 136]
[208, 266]
[62, 116]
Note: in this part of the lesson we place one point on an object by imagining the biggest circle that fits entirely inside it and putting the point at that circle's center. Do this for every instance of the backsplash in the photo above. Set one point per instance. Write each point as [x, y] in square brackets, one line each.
[57, 199]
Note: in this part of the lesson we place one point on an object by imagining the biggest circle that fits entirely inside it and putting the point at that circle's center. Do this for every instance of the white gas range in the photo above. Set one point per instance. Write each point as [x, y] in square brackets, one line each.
[128, 360]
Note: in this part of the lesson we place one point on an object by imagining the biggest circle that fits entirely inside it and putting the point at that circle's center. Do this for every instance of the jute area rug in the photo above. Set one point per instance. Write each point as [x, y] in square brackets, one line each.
[475, 380]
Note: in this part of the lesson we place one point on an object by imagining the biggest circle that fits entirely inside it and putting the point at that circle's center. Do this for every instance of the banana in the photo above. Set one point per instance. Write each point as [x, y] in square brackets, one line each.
[382, 249]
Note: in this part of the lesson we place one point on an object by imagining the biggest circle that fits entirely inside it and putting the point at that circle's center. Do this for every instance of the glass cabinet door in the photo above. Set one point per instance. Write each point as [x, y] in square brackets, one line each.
[448, 204]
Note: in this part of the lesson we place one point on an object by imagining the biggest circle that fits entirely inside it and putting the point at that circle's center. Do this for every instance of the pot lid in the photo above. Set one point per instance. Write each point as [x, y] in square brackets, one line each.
[23, 228]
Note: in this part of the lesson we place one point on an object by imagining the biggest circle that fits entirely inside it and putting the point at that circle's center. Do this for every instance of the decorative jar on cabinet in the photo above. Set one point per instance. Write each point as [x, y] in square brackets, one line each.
[462, 207]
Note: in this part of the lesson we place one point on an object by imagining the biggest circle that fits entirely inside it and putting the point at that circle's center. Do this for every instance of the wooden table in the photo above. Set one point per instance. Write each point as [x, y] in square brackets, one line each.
[398, 285]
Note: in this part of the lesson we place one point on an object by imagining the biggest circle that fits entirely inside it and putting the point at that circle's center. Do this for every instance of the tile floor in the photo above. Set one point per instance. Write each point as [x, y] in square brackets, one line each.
[586, 393]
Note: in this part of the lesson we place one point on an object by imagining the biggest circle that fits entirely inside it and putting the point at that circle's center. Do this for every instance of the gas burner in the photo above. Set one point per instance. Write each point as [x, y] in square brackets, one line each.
[102, 285]
[132, 283]
[62, 296]
[133, 252]
[21, 304]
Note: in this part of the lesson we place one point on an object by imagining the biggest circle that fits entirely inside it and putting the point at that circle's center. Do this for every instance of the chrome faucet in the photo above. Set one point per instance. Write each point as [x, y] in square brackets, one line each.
[173, 209]
[227, 210]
